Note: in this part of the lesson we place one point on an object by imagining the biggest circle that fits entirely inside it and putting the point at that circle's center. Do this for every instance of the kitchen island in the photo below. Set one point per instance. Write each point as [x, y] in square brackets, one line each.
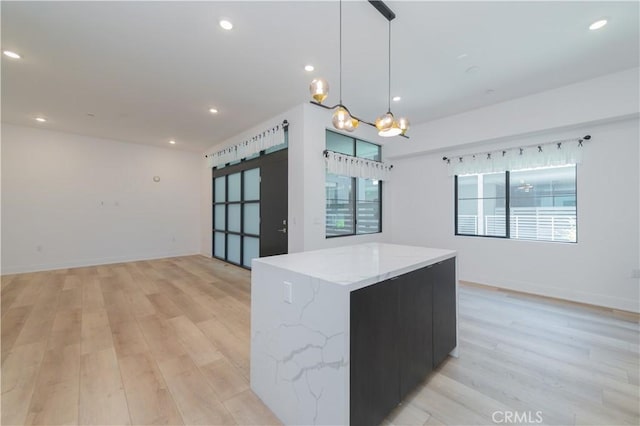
[340, 336]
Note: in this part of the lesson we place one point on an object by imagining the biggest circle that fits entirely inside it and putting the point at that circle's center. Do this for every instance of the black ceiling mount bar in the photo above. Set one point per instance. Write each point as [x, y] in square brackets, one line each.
[383, 9]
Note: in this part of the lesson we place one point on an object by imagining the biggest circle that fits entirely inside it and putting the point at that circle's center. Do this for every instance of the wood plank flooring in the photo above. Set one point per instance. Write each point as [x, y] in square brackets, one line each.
[167, 342]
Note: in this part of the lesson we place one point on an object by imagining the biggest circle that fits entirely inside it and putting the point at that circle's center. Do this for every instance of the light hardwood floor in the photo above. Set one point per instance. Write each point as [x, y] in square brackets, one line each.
[167, 342]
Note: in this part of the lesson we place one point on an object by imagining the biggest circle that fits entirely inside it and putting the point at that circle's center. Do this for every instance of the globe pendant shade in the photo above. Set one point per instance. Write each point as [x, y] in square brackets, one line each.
[350, 125]
[403, 123]
[384, 122]
[319, 89]
[342, 120]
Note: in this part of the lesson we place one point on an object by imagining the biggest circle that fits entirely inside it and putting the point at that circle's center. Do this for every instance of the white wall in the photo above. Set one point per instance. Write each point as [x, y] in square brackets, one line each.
[70, 200]
[307, 141]
[597, 269]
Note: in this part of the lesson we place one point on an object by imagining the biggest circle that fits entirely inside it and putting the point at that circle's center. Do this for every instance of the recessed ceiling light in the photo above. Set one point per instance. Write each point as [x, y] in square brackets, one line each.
[213, 110]
[226, 24]
[41, 119]
[309, 68]
[464, 55]
[12, 55]
[396, 98]
[598, 24]
[172, 142]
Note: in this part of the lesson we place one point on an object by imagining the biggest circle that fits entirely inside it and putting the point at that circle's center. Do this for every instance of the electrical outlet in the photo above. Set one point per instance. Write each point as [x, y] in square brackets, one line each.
[288, 296]
[635, 273]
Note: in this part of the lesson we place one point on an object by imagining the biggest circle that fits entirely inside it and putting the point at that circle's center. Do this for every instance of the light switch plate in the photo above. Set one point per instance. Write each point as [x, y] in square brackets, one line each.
[288, 296]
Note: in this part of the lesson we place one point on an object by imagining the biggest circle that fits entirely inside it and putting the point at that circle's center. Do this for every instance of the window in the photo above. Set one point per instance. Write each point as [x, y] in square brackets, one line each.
[535, 204]
[353, 205]
[482, 204]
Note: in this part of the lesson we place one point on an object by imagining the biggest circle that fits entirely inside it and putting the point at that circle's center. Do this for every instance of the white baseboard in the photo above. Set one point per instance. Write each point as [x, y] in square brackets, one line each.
[21, 269]
[604, 300]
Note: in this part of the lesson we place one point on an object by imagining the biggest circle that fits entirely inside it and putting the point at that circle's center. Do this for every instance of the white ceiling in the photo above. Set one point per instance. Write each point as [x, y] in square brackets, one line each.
[149, 71]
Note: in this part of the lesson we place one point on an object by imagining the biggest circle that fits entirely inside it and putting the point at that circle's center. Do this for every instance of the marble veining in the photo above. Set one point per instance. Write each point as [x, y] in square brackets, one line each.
[300, 350]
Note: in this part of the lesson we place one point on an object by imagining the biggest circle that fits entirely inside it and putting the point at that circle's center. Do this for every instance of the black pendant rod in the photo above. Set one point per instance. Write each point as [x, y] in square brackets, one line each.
[340, 88]
[389, 92]
[389, 15]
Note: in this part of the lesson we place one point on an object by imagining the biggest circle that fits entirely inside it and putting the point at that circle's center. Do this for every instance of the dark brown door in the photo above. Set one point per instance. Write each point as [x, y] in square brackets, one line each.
[274, 204]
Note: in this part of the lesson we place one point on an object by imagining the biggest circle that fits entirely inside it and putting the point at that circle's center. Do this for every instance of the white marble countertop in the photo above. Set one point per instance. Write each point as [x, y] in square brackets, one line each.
[359, 265]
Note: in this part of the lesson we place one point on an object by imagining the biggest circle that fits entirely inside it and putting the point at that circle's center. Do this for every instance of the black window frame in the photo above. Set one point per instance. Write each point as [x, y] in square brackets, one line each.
[354, 186]
[507, 235]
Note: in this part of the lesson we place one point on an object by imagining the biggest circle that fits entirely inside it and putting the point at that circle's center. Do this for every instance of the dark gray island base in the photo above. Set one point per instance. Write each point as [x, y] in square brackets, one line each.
[401, 329]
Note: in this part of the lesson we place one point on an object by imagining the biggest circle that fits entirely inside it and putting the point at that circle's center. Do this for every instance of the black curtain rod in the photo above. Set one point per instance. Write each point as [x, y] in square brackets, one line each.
[284, 124]
[584, 138]
[327, 151]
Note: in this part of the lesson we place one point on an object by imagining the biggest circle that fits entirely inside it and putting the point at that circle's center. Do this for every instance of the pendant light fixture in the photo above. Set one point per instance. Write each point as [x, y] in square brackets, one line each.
[387, 124]
[319, 88]
[342, 119]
